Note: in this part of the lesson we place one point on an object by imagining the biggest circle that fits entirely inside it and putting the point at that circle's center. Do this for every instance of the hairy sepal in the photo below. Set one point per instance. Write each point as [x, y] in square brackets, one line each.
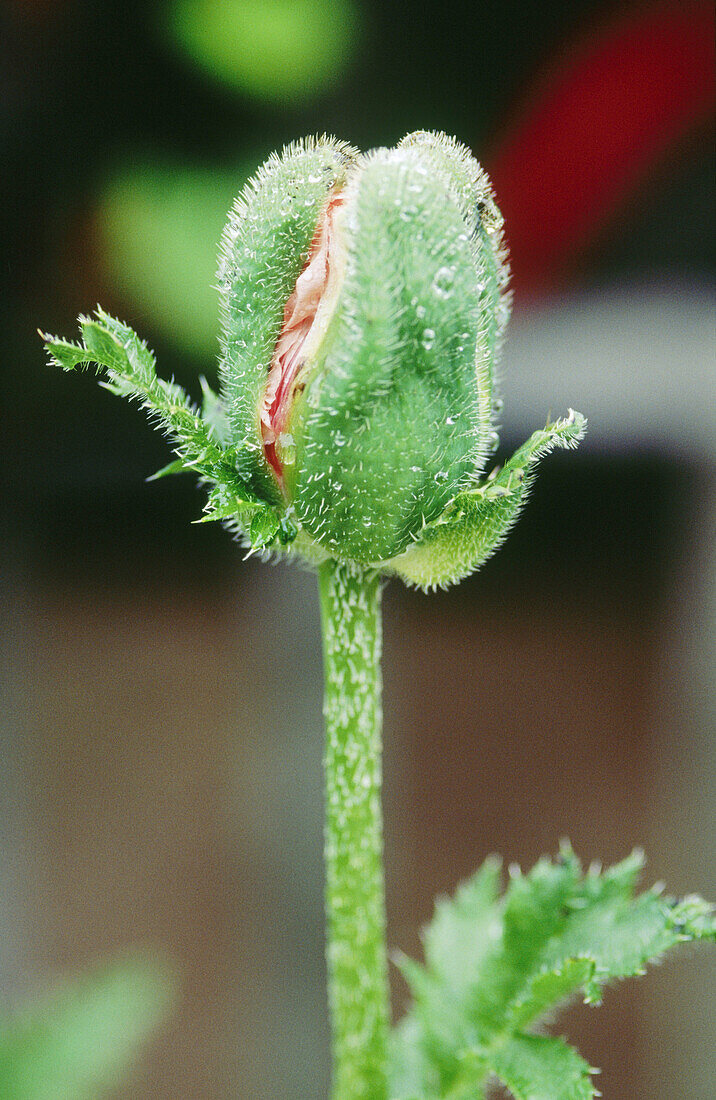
[388, 427]
[470, 186]
[263, 249]
[477, 520]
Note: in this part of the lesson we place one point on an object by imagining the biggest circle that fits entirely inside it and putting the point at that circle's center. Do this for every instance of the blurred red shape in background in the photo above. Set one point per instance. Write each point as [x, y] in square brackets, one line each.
[594, 128]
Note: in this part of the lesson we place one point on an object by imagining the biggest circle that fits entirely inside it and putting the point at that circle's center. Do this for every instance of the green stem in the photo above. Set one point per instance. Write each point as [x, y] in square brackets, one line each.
[355, 896]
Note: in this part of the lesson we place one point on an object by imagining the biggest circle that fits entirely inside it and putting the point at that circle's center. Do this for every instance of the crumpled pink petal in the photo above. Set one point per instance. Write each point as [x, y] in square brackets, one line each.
[298, 320]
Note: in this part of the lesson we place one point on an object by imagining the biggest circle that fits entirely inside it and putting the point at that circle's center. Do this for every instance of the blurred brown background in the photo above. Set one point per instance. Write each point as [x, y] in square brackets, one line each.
[161, 729]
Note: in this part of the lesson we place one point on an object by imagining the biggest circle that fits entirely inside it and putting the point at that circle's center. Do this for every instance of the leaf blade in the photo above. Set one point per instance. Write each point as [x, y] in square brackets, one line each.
[80, 1038]
[538, 1067]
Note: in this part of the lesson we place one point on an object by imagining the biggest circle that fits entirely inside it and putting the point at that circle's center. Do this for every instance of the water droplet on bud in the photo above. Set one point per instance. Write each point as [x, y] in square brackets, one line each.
[442, 283]
[428, 338]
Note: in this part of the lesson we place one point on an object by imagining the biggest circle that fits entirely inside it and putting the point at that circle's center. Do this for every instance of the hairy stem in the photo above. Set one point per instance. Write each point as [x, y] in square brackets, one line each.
[355, 897]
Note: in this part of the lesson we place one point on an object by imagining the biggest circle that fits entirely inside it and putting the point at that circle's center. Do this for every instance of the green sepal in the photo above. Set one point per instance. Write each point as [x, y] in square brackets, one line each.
[388, 427]
[263, 249]
[469, 184]
[477, 520]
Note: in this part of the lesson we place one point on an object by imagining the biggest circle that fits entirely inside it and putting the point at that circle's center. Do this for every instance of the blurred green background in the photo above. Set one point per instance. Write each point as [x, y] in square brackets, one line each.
[160, 729]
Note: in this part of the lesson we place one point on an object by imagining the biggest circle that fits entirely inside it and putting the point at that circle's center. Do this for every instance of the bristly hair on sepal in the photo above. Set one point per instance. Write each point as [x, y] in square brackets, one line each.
[477, 521]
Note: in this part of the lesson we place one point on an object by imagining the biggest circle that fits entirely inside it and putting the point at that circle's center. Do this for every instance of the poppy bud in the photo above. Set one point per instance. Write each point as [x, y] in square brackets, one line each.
[363, 306]
[364, 303]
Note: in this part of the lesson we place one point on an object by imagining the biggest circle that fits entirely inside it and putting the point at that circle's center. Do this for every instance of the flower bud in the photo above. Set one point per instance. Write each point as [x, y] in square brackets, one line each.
[364, 302]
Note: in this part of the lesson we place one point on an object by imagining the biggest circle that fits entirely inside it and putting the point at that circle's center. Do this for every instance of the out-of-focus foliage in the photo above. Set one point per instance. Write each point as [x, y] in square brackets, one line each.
[160, 226]
[496, 966]
[276, 50]
[81, 1039]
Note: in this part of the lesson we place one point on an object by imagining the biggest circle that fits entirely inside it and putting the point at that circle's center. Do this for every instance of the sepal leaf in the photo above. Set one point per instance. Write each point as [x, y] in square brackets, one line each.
[477, 520]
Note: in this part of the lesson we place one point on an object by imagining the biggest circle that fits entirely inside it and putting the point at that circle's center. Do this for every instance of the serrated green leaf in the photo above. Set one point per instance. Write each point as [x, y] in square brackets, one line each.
[411, 1076]
[214, 415]
[555, 932]
[440, 1025]
[198, 438]
[537, 1067]
[78, 1041]
[620, 935]
[550, 988]
[64, 353]
[463, 928]
[534, 909]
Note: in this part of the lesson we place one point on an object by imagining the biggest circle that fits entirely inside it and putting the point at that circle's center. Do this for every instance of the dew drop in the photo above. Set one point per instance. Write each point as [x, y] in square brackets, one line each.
[441, 475]
[442, 283]
[428, 338]
[315, 177]
[420, 312]
[493, 442]
[449, 420]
